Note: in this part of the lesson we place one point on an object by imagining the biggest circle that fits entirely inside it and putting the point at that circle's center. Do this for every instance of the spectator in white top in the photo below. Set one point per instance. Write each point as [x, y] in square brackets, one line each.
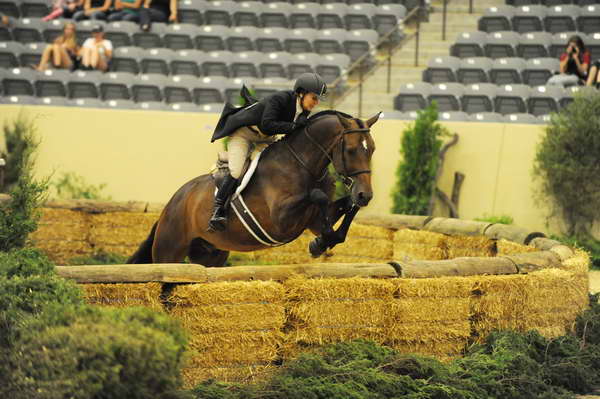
[96, 51]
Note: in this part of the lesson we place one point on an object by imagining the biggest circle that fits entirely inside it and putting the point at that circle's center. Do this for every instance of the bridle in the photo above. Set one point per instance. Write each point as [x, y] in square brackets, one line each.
[344, 175]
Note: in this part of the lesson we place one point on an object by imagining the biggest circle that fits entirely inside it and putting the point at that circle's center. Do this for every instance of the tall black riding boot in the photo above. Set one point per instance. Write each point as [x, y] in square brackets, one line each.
[218, 221]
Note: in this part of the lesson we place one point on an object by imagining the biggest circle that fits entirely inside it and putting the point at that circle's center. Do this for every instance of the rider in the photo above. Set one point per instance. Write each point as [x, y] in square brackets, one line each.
[280, 113]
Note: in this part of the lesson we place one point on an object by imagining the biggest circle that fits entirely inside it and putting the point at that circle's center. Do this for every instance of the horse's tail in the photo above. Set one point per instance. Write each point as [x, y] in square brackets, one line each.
[144, 252]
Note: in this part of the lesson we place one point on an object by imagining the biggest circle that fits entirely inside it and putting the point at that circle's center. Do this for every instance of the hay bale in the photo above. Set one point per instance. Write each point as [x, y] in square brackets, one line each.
[463, 245]
[453, 226]
[62, 224]
[62, 251]
[465, 266]
[242, 374]
[340, 313]
[124, 295]
[223, 293]
[435, 288]
[413, 310]
[423, 245]
[360, 230]
[506, 247]
[369, 248]
[120, 228]
[319, 290]
[330, 334]
[579, 263]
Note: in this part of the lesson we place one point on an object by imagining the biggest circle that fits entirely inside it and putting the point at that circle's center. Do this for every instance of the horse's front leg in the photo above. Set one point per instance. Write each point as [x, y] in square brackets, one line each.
[329, 214]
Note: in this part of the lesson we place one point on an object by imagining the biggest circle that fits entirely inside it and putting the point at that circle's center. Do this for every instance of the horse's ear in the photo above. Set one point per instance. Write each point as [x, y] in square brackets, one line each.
[371, 121]
[344, 121]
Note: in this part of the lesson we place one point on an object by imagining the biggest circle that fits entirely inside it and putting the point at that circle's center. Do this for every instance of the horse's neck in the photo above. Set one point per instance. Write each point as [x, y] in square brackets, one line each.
[308, 150]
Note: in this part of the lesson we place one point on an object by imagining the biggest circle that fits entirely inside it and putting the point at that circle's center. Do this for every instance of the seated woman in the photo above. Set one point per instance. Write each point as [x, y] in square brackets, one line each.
[126, 10]
[93, 9]
[157, 11]
[64, 9]
[574, 64]
[96, 51]
[63, 51]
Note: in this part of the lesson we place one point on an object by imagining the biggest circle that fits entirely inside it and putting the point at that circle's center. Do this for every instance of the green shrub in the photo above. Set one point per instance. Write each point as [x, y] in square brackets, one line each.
[421, 144]
[584, 242]
[21, 143]
[97, 353]
[502, 219]
[567, 163]
[73, 186]
[99, 258]
[25, 262]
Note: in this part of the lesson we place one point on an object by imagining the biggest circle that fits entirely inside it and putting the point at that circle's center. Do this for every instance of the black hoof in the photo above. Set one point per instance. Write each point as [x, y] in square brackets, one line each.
[317, 247]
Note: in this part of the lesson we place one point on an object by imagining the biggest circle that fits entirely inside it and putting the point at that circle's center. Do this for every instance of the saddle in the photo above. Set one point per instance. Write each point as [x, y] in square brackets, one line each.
[221, 169]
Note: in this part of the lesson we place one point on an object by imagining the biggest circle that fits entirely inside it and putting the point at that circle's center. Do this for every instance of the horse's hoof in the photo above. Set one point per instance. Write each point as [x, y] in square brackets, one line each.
[317, 247]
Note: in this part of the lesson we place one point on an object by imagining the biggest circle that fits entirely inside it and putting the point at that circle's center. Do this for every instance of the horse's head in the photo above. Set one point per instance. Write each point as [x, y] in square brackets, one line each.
[352, 157]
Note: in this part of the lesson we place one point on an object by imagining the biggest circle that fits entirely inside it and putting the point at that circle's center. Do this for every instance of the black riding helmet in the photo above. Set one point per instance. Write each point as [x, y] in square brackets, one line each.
[310, 83]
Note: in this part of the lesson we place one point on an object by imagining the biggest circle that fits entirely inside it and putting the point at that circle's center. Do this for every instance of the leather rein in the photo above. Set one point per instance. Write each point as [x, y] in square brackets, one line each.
[345, 176]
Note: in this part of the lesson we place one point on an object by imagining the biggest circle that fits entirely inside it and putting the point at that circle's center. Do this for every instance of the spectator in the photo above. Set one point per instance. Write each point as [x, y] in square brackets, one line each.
[64, 8]
[4, 20]
[126, 10]
[157, 11]
[63, 51]
[96, 51]
[574, 64]
[93, 9]
[593, 75]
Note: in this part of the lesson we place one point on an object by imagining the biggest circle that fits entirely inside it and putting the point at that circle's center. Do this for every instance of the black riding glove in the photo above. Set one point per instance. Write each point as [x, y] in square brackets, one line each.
[301, 121]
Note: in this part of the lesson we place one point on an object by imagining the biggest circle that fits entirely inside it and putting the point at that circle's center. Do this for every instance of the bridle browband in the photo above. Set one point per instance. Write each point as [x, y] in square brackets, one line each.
[345, 176]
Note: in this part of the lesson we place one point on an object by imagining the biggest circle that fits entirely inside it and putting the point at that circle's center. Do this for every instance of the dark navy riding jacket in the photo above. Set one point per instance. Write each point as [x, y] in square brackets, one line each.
[273, 114]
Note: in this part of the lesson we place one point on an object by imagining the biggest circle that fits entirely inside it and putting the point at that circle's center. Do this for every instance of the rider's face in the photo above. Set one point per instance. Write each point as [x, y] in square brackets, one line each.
[309, 101]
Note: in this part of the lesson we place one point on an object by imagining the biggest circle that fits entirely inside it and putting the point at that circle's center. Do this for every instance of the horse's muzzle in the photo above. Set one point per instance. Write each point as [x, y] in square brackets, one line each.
[362, 198]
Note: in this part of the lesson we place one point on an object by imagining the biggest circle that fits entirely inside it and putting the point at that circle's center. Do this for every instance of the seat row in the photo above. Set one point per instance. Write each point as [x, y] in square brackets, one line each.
[511, 44]
[459, 116]
[210, 38]
[550, 3]
[534, 18]
[533, 72]
[137, 88]
[484, 97]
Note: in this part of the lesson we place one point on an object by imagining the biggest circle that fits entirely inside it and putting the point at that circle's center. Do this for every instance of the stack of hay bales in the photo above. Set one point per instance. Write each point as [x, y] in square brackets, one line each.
[120, 232]
[430, 316]
[322, 311]
[422, 245]
[363, 244]
[124, 295]
[63, 234]
[506, 247]
[235, 328]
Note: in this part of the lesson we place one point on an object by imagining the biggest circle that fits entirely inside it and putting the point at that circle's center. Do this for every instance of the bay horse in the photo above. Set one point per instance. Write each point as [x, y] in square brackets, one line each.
[291, 191]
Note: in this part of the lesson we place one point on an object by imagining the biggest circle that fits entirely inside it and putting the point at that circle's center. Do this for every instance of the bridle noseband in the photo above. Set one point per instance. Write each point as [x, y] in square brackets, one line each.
[345, 175]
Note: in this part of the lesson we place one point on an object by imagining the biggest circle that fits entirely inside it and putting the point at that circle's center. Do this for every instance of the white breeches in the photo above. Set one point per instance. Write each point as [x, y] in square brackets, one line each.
[239, 145]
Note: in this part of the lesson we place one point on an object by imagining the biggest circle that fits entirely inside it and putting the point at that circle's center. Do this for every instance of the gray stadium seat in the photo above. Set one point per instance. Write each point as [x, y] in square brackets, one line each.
[496, 19]
[301, 63]
[412, 96]
[190, 12]
[534, 45]
[511, 99]
[332, 66]
[247, 14]
[478, 98]
[544, 99]
[454, 116]
[521, 118]
[28, 30]
[544, 119]
[489, 117]
[10, 8]
[561, 18]
[388, 17]
[529, 18]
[501, 44]
[447, 96]
[507, 71]
[120, 33]
[208, 91]
[538, 70]
[211, 38]
[5, 34]
[151, 39]
[245, 64]
[215, 108]
[34, 8]
[156, 60]
[303, 15]
[83, 84]
[17, 81]
[274, 65]
[469, 44]
[182, 107]
[87, 103]
[217, 63]
[177, 89]
[22, 100]
[186, 62]
[394, 115]
[331, 16]
[592, 43]
[360, 42]
[300, 40]
[31, 54]
[329, 41]
[115, 86]
[241, 39]
[270, 40]
[588, 20]
[126, 59]
[474, 70]
[148, 88]
[9, 54]
[180, 36]
[54, 101]
[265, 87]
[360, 16]
[49, 83]
[151, 106]
[120, 104]
[53, 29]
[220, 12]
[441, 69]
[275, 15]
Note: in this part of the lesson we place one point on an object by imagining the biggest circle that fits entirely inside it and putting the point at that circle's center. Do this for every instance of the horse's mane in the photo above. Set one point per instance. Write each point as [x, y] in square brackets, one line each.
[329, 112]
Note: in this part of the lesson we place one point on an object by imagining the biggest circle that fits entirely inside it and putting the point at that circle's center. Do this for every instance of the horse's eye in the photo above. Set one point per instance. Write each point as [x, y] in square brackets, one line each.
[352, 151]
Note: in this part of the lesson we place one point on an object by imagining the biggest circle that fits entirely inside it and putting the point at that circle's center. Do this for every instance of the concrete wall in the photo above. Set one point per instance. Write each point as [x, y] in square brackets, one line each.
[148, 155]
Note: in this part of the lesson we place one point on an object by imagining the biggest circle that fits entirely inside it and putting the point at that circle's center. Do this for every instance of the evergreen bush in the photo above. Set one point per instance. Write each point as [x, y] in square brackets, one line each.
[421, 144]
[21, 143]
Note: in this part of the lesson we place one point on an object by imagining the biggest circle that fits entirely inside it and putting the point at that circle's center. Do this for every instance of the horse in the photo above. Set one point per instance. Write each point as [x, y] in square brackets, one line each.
[291, 191]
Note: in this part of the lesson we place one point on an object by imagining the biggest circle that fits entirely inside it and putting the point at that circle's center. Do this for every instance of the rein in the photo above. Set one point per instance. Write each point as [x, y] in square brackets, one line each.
[344, 175]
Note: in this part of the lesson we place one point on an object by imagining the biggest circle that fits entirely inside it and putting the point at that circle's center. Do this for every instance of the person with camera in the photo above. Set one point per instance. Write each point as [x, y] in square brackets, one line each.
[574, 64]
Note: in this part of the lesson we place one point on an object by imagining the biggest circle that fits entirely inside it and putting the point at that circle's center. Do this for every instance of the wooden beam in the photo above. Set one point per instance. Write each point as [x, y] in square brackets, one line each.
[471, 266]
[141, 273]
[392, 221]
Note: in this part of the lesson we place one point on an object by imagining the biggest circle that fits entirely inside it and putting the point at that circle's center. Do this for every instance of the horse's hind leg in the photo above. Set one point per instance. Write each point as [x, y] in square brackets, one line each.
[168, 247]
[204, 253]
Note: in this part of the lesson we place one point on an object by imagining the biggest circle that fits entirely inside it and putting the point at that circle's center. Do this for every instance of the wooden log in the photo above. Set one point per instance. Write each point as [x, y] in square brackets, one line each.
[459, 178]
[444, 198]
[563, 252]
[471, 266]
[533, 261]
[544, 244]
[309, 270]
[142, 273]
[438, 173]
[512, 233]
[456, 226]
[392, 221]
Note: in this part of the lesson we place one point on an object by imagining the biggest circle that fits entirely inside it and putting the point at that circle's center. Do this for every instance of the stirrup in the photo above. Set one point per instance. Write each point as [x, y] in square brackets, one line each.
[218, 222]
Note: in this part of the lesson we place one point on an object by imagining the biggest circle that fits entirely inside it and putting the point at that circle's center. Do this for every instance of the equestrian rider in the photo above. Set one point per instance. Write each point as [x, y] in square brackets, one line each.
[258, 123]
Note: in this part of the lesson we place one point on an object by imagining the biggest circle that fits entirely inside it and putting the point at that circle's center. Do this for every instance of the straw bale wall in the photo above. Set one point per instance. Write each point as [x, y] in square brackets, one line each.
[418, 284]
